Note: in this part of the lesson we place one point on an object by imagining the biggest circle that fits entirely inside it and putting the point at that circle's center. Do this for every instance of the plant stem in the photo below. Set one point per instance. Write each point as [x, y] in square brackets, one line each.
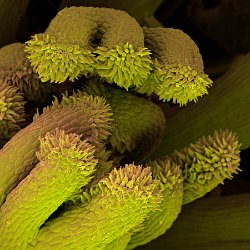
[209, 223]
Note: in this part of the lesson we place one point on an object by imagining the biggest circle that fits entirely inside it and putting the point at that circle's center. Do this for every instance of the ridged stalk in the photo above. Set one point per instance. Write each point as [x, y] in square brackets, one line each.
[210, 223]
[125, 198]
[87, 116]
[66, 164]
[158, 222]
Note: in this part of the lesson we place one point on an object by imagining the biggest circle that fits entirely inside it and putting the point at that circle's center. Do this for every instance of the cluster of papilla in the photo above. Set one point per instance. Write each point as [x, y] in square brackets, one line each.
[62, 167]
[112, 44]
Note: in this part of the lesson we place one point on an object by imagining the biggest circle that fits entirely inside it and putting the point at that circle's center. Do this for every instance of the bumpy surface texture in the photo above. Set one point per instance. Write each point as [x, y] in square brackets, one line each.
[207, 163]
[11, 111]
[124, 199]
[16, 71]
[158, 222]
[87, 116]
[178, 68]
[83, 40]
[61, 186]
[138, 124]
[66, 164]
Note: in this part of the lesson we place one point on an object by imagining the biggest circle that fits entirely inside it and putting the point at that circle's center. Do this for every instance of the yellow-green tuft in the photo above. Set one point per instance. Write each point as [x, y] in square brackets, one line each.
[207, 163]
[123, 65]
[181, 84]
[131, 178]
[150, 85]
[178, 67]
[56, 62]
[69, 149]
[11, 110]
[158, 221]
[168, 173]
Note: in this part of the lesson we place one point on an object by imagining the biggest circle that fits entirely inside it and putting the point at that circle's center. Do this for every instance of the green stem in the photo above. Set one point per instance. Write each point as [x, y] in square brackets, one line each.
[125, 199]
[66, 165]
[119, 243]
[215, 222]
[86, 115]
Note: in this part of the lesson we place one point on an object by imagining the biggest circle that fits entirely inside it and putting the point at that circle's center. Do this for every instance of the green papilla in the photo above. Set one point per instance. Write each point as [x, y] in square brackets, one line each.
[123, 199]
[88, 116]
[207, 163]
[65, 165]
[178, 67]
[12, 113]
[84, 40]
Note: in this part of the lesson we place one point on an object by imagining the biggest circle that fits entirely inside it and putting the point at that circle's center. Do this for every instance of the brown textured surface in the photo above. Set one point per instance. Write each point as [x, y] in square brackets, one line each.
[81, 25]
[18, 155]
[138, 9]
[171, 46]
[15, 70]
